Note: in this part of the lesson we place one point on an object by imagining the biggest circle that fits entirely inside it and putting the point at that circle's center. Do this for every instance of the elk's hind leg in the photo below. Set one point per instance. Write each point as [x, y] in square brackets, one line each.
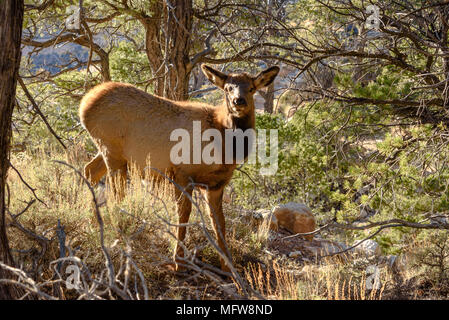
[117, 175]
[95, 169]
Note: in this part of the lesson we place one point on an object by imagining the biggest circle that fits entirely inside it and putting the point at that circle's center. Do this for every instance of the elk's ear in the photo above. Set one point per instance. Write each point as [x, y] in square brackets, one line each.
[266, 77]
[216, 77]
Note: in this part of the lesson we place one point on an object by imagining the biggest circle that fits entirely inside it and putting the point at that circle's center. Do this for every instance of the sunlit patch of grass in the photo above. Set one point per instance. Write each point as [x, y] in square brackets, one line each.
[145, 220]
[274, 282]
[333, 280]
[337, 280]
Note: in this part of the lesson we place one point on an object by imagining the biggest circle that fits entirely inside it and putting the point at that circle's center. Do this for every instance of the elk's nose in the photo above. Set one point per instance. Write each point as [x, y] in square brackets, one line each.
[239, 101]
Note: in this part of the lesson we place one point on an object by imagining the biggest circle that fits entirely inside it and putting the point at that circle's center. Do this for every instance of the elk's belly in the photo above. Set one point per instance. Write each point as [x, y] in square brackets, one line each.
[214, 177]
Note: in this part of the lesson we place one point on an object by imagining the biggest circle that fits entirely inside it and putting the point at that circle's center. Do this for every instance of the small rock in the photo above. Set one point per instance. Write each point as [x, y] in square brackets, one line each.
[266, 215]
[391, 259]
[295, 254]
[439, 220]
[396, 263]
[227, 196]
[368, 247]
[296, 218]
[269, 252]
[331, 248]
[326, 248]
[230, 289]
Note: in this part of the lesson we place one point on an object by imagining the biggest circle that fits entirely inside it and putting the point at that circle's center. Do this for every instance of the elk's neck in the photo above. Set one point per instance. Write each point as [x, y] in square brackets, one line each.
[223, 119]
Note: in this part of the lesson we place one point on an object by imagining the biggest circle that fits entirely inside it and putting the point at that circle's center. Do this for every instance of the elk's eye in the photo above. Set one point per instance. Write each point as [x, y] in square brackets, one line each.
[251, 90]
[229, 88]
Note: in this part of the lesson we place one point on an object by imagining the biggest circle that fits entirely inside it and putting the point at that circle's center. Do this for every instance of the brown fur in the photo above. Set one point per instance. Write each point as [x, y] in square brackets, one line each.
[131, 126]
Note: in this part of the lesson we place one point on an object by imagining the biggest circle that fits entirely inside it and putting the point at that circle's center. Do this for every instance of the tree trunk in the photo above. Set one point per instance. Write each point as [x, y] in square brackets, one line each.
[168, 46]
[179, 26]
[153, 46]
[11, 17]
[269, 99]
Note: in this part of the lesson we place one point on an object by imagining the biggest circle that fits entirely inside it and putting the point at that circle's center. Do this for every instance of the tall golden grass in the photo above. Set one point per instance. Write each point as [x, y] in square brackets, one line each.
[144, 223]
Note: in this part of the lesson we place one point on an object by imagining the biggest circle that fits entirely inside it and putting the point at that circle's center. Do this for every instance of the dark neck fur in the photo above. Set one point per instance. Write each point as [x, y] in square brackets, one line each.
[245, 122]
[226, 120]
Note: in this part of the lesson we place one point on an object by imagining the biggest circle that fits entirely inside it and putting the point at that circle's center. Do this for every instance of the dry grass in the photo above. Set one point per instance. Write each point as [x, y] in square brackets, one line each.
[333, 281]
[274, 283]
[145, 220]
[338, 282]
[143, 226]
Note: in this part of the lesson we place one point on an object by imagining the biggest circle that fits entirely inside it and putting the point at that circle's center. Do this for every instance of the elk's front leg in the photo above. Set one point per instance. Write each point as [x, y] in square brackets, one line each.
[184, 207]
[215, 208]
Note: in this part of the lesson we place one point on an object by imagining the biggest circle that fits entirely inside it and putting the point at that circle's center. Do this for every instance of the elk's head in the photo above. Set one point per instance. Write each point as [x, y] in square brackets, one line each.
[239, 88]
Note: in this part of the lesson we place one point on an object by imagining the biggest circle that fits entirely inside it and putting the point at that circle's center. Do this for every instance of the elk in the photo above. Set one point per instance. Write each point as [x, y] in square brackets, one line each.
[130, 126]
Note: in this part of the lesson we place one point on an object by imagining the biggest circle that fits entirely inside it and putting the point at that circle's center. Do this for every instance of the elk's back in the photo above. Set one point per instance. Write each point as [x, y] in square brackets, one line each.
[129, 123]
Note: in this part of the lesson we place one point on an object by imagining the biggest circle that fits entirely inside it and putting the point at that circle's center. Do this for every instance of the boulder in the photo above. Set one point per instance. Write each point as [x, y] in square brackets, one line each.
[296, 218]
